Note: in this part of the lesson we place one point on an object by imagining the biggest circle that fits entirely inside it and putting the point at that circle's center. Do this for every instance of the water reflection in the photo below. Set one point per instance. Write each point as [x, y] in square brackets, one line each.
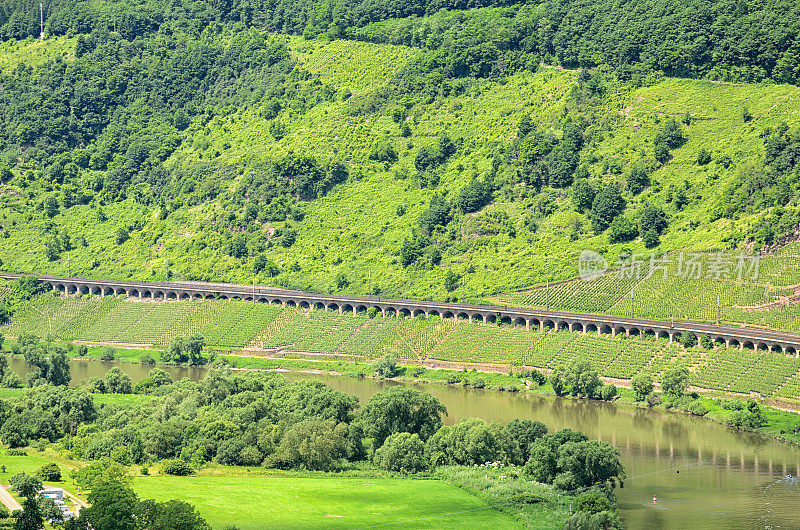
[704, 475]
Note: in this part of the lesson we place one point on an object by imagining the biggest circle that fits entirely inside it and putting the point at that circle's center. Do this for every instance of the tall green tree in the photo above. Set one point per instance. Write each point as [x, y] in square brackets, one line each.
[400, 409]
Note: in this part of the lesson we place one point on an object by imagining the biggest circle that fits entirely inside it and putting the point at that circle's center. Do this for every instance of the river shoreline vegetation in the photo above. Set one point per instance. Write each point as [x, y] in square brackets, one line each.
[260, 419]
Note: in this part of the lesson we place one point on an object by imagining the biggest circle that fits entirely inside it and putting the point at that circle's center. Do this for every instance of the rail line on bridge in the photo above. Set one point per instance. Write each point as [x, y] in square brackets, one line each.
[787, 343]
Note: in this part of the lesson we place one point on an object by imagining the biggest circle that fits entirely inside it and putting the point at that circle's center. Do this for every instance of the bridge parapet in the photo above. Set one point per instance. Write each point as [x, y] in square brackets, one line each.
[532, 319]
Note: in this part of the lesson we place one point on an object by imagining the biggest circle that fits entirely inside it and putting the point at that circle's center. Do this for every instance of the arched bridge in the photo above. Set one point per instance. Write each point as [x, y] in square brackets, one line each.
[787, 343]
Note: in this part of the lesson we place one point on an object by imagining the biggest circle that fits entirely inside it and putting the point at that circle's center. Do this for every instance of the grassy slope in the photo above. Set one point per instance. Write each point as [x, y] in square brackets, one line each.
[356, 228]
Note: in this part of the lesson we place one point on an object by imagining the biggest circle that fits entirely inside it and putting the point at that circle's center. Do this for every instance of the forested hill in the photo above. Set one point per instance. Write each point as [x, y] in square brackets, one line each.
[438, 150]
[727, 40]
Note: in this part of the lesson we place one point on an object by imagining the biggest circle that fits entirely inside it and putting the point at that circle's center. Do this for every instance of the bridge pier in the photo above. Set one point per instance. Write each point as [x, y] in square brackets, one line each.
[772, 341]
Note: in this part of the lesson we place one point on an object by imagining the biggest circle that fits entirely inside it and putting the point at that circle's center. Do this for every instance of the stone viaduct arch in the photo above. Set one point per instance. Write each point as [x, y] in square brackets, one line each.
[531, 319]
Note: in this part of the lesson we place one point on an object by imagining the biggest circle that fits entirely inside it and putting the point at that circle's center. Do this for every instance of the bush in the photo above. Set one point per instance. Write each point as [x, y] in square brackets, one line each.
[703, 157]
[557, 382]
[82, 350]
[688, 340]
[622, 230]
[147, 359]
[607, 205]
[311, 444]
[642, 386]
[49, 472]
[608, 392]
[651, 239]
[386, 366]
[403, 452]
[453, 378]
[177, 467]
[653, 399]
[675, 380]
[697, 408]
[108, 354]
[122, 235]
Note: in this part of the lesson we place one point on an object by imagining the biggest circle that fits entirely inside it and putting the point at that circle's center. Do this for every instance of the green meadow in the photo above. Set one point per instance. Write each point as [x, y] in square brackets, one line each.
[325, 502]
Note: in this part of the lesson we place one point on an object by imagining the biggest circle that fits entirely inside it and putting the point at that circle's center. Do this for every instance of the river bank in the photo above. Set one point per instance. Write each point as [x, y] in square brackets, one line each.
[705, 474]
[782, 422]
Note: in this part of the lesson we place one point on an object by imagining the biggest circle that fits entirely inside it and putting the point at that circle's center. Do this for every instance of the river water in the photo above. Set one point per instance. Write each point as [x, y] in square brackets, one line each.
[704, 475]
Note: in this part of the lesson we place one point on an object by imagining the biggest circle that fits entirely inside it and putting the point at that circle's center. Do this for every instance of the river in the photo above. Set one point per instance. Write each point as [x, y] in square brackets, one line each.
[704, 475]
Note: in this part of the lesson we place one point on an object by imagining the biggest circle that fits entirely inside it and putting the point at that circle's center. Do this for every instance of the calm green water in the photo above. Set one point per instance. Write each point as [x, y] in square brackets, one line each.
[704, 475]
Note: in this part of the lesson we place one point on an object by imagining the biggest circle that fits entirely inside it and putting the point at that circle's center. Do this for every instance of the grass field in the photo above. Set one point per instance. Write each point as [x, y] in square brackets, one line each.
[326, 502]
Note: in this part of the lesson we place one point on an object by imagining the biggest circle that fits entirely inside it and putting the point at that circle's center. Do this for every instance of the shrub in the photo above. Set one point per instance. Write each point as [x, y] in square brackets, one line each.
[177, 467]
[386, 366]
[82, 350]
[310, 444]
[703, 157]
[147, 359]
[453, 378]
[608, 392]
[622, 230]
[478, 382]
[697, 408]
[403, 452]
[108, 354]
[638, 179]
[557, 382]
[607, 205]
[653, 399]
[49, 472]
[642, 386]
[688, 340]
[122, 235]
[651, 239]
[675, 380]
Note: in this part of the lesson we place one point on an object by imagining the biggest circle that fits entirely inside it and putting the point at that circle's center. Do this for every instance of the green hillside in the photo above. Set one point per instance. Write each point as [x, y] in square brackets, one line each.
[335, 165]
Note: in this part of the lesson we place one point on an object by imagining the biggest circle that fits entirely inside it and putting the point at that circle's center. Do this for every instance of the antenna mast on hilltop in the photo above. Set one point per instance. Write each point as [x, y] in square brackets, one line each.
[41, 20]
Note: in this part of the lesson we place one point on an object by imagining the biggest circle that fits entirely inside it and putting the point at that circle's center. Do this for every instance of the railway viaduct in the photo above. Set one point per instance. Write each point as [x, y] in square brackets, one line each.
[742, 337]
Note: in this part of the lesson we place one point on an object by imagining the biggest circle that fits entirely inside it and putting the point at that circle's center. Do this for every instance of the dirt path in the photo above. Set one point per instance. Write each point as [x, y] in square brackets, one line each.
[9, 501]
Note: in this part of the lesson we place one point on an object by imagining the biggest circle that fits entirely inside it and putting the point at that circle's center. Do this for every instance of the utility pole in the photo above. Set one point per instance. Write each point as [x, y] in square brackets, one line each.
[717, 310]
[463, 285]
[254, 290]
[167, 271]
[41, 20]
[69, 267]
[631, 304]
[547, 295]
[369, 282]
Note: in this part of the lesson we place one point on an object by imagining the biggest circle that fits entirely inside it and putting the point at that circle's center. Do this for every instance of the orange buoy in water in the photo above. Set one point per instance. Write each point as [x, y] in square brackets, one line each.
[655, 499]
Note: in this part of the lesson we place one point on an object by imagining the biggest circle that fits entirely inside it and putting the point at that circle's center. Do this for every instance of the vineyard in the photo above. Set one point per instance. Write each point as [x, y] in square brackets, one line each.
[232, 324]
[768, 300]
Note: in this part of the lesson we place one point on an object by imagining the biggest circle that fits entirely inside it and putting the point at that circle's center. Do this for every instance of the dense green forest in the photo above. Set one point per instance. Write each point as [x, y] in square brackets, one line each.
[723, 40]
[315, 145]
